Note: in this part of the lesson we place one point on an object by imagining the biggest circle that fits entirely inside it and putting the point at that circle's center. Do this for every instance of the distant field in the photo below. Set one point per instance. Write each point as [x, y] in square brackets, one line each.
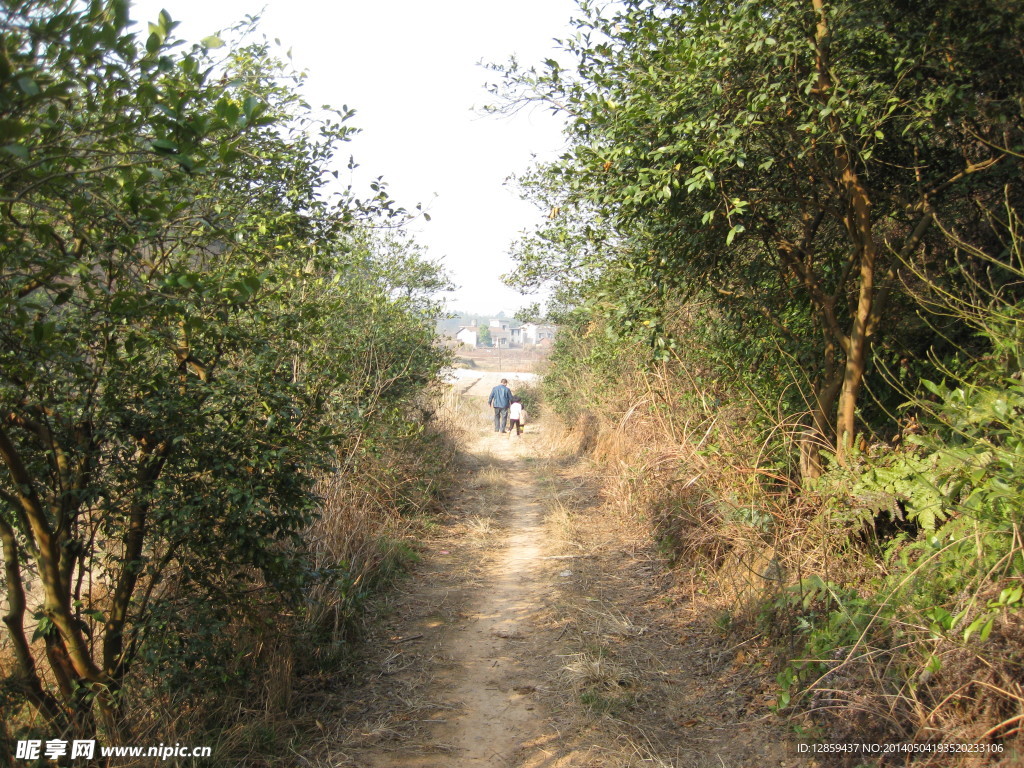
[478, 383]
[507, 360]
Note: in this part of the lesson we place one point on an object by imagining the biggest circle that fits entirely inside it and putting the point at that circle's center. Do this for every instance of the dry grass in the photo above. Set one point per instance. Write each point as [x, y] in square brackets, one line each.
[503, 360]
[601, 685]
[741, 541]
[704, 510]
[492, 476]
[643, 678]
[481, 528]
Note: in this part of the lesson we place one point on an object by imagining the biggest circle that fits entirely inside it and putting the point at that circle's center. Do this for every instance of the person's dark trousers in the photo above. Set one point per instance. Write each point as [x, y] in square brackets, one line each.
[500, 419]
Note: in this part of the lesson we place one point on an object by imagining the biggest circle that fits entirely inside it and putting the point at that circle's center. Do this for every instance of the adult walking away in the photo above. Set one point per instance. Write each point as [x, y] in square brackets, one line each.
[500, 399]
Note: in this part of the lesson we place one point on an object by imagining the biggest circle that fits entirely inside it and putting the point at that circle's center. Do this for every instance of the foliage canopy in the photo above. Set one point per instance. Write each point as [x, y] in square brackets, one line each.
[193, 319]
[794, 158]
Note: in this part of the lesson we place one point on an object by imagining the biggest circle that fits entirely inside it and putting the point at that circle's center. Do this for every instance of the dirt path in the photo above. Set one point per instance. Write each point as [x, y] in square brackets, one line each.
[490, 716]
[494, 686]
[541, 631]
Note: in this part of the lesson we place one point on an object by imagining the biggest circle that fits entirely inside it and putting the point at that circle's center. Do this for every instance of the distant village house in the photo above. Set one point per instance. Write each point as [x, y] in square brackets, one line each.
[538, 335]
[467, 334]
[507, 335]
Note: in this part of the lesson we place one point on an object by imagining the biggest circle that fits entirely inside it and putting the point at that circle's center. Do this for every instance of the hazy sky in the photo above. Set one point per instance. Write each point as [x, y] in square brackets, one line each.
[410, 70]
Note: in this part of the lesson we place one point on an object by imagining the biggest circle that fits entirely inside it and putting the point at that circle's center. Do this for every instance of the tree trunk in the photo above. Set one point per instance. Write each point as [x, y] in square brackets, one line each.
[858, 225]
[818, 436]
[25, 675]
[857, 221]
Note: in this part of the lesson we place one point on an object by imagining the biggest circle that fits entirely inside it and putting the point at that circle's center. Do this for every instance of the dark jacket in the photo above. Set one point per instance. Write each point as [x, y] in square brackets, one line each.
[501, 397]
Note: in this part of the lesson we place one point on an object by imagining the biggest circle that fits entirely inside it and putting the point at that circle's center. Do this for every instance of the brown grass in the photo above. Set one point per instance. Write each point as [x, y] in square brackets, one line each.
[743, 539]
[643, 676]
[504, 360]
[371, 516]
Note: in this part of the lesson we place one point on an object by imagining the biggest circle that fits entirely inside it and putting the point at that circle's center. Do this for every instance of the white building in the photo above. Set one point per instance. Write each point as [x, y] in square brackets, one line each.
[467, 335]
[533, 334]
[500, 338]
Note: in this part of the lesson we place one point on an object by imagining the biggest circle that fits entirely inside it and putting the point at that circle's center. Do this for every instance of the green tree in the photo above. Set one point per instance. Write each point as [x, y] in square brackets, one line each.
[792, 156]
[178, 285]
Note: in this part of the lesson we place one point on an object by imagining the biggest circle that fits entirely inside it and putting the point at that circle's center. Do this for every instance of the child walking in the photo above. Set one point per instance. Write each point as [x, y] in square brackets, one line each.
[516, 417]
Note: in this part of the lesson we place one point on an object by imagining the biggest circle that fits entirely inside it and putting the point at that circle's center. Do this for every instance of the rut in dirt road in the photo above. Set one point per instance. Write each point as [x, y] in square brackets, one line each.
[499, 715]
[489, 716]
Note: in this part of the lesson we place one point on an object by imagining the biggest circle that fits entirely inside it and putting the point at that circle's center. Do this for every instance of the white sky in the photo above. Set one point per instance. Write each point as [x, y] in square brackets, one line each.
[409, 69]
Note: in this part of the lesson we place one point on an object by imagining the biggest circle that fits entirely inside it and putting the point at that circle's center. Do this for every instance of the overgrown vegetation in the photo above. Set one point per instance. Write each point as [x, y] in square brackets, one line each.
[786, 250]
[215, 368]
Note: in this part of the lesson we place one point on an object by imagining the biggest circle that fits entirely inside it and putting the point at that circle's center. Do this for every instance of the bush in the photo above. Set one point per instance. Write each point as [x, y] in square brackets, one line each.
[194, 331]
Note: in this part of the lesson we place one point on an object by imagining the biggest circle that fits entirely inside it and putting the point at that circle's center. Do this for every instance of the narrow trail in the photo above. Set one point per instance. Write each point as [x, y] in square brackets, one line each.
[494, 687]
[491, 716]
[540, 632]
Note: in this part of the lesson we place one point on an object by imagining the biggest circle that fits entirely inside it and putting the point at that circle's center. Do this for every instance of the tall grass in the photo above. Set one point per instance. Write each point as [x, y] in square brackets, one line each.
[862, 604]
[365, 535]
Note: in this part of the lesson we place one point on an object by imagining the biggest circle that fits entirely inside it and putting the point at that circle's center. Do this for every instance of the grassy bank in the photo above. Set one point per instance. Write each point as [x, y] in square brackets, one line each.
[883, 594]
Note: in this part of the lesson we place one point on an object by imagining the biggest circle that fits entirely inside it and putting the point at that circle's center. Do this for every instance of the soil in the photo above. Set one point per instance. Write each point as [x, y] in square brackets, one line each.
[541, 629]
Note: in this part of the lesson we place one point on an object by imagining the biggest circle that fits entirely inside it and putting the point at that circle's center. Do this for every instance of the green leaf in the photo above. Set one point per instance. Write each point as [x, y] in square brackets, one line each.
[164, 147]
[17, 150]
[249, 106]
[45, 628]
[212, 42]
[984, 623]
[13, 129]
[987, 629]
[28, 86]
[42, 331]
[1011, 595]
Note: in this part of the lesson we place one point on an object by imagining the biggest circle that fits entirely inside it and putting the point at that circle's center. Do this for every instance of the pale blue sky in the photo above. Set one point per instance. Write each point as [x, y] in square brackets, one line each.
[409, 68]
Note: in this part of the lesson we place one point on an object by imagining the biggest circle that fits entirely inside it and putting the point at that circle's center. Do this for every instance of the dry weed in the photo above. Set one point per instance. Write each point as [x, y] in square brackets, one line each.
[601, 685]
[493, 477]
[629, 678]
[480, 527]
[560, 519]
[747, 538]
